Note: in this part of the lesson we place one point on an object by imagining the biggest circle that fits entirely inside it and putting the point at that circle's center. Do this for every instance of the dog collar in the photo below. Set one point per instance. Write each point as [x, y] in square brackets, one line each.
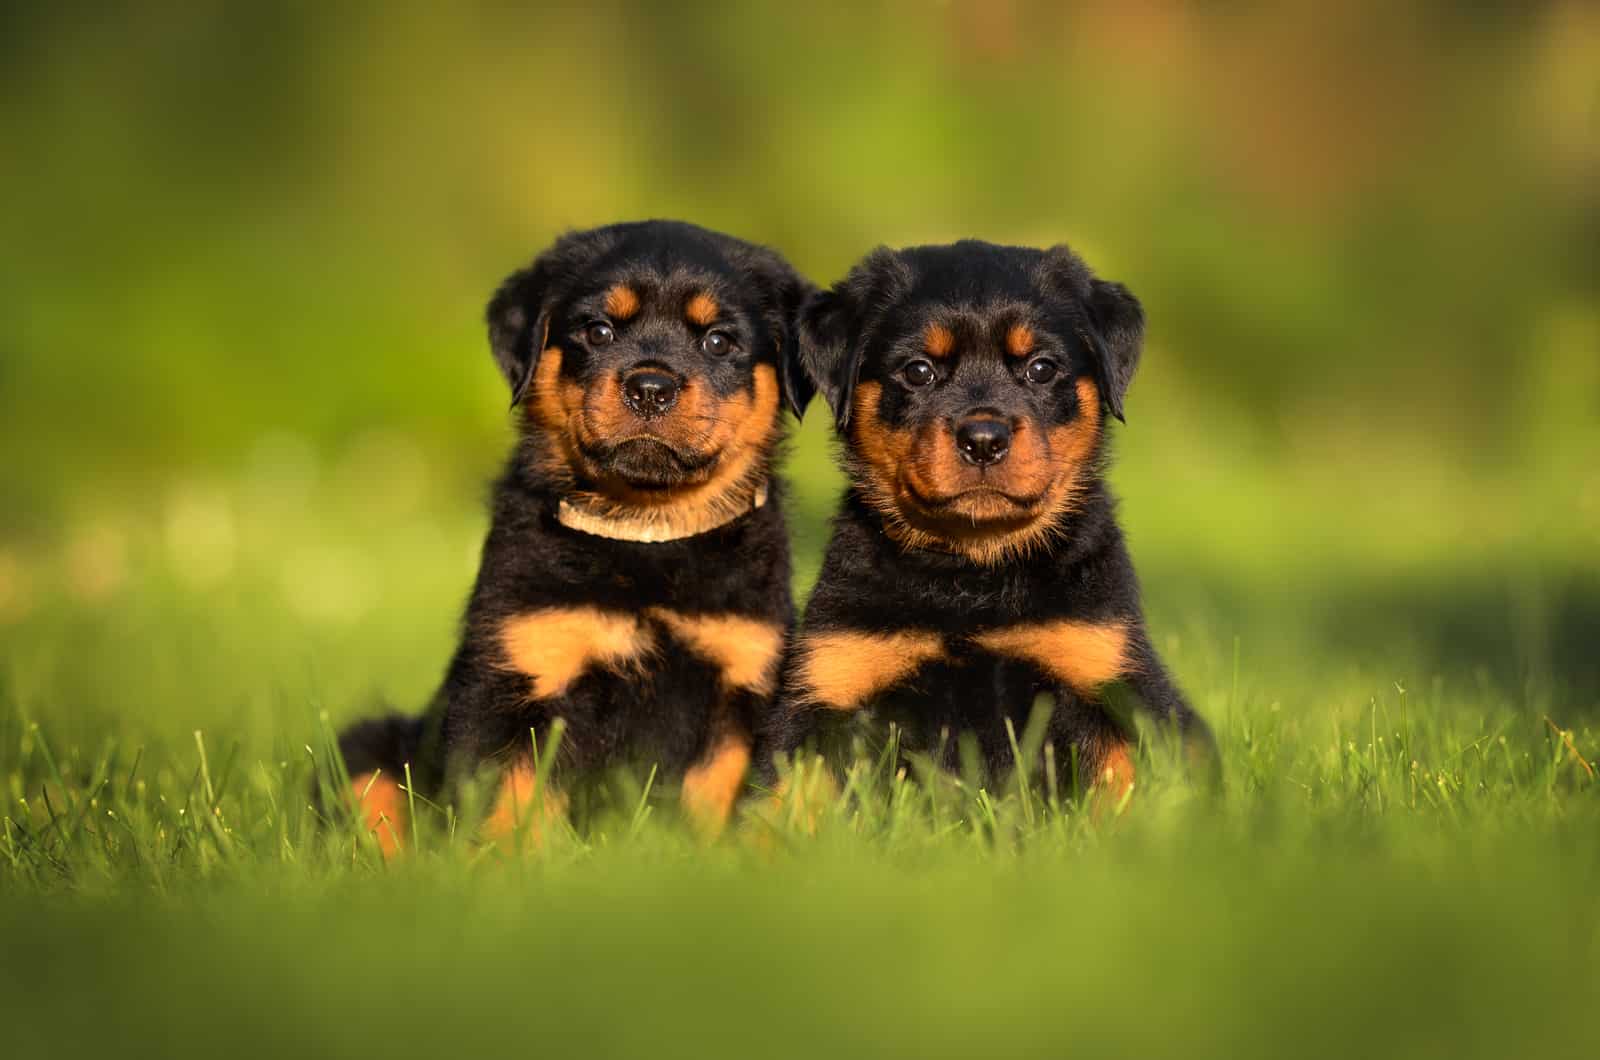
[627, 524]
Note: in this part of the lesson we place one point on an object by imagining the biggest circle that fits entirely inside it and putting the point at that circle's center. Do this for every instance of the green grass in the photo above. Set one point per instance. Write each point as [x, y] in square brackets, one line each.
[1403, 859]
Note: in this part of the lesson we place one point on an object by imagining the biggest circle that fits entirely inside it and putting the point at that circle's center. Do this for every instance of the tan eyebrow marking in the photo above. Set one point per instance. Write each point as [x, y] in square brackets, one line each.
[938, 340]
[702, 310]
[1019, 340]
[622, 301]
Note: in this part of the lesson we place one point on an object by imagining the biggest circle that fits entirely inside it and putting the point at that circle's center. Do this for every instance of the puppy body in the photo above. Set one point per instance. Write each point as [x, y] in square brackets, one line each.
[976, 562]
[635, 577]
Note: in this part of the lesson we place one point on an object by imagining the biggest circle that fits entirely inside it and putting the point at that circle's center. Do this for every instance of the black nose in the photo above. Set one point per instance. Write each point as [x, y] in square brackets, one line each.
[983, 442]
[649, 393]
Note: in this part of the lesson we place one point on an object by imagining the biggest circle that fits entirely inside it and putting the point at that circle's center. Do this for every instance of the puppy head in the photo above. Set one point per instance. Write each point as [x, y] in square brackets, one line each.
[970, 383]
[647, 360]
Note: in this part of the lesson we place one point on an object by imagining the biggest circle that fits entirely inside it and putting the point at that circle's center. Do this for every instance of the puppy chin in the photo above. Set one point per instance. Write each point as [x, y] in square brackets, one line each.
[972, 515]
[985, 506]
[651, 464]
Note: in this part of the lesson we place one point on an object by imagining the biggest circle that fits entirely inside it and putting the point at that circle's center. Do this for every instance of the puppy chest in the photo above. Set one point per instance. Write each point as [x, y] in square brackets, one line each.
[555, 648]
[846, 670]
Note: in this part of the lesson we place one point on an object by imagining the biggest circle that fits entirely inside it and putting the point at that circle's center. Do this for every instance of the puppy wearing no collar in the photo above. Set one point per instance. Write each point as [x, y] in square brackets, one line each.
[976, 563]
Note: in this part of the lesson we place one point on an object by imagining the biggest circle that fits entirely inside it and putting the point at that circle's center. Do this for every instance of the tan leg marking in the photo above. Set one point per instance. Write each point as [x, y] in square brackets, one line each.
[383, 807]
[555, 646]
[1112, 781]
[842, 670]
[710, 788]
[1082, 655]
[745, 650]
[519, 805]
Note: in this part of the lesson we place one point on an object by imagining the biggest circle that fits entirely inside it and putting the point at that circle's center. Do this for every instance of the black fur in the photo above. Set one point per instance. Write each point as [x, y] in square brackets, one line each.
[665, 707]
[877, 580]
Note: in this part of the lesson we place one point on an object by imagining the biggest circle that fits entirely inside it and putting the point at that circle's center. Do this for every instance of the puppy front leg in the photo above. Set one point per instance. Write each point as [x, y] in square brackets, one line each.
[524, 805]
[713, 783]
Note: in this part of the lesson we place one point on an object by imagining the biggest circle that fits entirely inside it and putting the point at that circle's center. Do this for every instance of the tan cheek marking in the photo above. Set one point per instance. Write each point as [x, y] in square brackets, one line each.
[547, 405]
[702, 310]
[933, 465]
[622, 302]
[383, 807]
[938, 340]
[554, 647]
[883, 449]
[1030, 468]
[843, 670]
[605, 417]
[1019, 340]
[744, 649]
[520, 805]
[710, 788]
[1078, 437]
[1082, 655]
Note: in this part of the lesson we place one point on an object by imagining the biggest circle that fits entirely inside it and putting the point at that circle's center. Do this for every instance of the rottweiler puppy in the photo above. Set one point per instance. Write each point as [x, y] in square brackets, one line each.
[635, 579]
[975, 561]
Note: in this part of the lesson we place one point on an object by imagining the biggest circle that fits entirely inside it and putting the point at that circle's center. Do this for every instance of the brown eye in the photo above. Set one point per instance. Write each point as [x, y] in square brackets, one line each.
[917, 373]
[600, 334]
[1040, 370]
[717, 343]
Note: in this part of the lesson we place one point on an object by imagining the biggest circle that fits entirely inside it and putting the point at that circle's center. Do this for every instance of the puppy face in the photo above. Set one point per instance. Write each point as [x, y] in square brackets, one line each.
[648, 360]
[970, 384]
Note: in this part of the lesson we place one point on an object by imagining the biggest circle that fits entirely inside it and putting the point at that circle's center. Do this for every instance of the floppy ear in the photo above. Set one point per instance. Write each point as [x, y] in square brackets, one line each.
[836, 325]
[1116, 321]
[783, 292]
[519, 323]
[823, 355]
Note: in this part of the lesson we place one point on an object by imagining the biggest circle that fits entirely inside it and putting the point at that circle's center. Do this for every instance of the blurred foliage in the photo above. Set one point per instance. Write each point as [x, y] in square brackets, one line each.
[229, 220]
[247, 246]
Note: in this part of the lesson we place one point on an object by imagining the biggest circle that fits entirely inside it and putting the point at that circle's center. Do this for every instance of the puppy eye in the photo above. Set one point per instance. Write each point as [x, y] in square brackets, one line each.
[917, 373]
[1040, 370]
[717, 343]
[600, 334]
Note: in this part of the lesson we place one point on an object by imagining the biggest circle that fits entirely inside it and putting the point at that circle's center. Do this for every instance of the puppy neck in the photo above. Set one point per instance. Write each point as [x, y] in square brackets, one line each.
[593, 515]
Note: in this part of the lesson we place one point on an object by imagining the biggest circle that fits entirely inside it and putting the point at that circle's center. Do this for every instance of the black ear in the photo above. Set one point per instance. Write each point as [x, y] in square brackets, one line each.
[519, 323]
[783, 293]
[824, 357]
[837, 324]
[1114, 324]
[1116, 321]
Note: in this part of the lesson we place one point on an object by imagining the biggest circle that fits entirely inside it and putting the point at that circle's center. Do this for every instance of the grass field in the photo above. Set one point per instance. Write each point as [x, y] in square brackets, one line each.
[1404, 858]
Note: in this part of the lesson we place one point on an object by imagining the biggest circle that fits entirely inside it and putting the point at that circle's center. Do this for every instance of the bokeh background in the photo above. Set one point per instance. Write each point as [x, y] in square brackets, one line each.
[248, 414]
[248, 417]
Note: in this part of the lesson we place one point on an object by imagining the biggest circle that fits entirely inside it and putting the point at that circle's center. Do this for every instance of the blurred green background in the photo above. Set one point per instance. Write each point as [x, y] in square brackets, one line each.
[246, 250]
[248, 413]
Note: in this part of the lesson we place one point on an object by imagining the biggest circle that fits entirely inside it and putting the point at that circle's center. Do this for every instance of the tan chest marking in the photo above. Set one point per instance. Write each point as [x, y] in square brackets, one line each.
[710, 788]
[557, 645]
[1082, 655]
[745, 650]
[843, 670]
